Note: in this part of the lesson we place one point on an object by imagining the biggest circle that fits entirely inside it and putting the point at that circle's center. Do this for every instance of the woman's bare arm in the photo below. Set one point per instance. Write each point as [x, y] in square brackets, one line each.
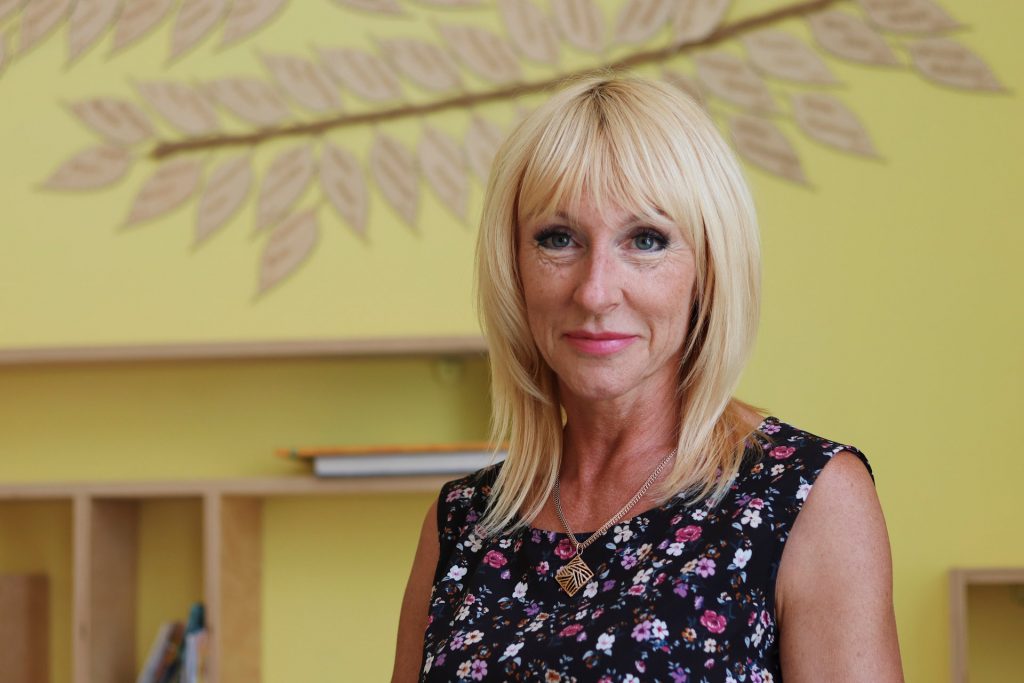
[412, 621]
[834, 588]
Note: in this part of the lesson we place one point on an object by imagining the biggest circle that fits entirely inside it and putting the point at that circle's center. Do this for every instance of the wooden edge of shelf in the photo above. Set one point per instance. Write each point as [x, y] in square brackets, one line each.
[960, 579]
[240, 486]
[370, 346]
[983, 576]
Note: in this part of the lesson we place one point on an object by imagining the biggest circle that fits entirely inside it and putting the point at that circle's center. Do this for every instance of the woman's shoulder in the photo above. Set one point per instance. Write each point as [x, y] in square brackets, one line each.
[788, 449]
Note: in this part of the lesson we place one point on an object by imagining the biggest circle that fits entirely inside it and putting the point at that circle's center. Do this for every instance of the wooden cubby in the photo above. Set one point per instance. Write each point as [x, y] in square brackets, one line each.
[105, 575]
[961, 581]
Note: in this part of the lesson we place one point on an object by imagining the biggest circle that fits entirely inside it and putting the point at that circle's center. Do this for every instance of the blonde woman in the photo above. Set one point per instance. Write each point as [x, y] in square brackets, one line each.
[636, 530]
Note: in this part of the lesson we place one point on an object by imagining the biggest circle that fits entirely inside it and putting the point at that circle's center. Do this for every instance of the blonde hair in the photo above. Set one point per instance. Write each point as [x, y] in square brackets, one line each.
[651, 149]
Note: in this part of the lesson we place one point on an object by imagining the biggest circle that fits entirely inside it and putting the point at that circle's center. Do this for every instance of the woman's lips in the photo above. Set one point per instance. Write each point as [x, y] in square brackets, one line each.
[599, 344]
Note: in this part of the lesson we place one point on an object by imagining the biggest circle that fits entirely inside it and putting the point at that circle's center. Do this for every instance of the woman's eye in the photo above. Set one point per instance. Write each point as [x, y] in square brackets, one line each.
[649, 240]
[554, 239]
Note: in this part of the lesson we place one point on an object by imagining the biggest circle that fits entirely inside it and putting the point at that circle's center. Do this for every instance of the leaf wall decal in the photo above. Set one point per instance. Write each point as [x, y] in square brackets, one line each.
[90, 19]
[250, 99]
[483, 139]
[531, 32]
[483, 52]
[169, 187]
[120, 121]
[826, 119]
[247, 16]
[452, 3]
[181, 106]
[91, 169]
[783, 55]
[947, 62]
[761, 143]
[287, 177]
[426, 65]
[365, 74]
[342, 182]
[136, 19]
[688, 85]
[847, 36]
[223, 195]
[444, 166]
[38, 18]
[289, 246]
[304, 81]
[732, 79]
[195, 20]
[581, 24]
[639, 20]
[908, 16]
[695, 20]
[394, 169]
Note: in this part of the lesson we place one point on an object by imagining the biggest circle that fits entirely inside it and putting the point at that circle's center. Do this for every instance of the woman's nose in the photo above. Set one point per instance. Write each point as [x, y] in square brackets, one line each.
[598, 289]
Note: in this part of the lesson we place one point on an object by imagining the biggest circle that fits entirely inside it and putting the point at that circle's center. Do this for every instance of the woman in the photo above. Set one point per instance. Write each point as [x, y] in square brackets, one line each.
[618, 281]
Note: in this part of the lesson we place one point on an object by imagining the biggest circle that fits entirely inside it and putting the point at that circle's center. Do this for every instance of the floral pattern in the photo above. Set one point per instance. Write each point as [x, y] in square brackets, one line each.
[680, 594]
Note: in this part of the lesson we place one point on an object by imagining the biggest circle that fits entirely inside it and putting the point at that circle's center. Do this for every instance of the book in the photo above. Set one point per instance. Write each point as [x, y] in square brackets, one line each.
[395, 460]
[162, 648]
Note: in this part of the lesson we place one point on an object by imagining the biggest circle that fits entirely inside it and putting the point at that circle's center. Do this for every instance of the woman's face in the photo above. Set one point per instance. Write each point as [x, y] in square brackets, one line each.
[608, 297]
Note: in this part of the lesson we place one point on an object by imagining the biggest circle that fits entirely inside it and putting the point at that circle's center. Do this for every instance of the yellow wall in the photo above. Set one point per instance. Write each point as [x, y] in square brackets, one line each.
[892, 320]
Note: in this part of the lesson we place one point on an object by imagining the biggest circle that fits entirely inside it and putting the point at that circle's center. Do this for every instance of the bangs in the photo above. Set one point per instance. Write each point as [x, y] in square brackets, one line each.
[611, 151]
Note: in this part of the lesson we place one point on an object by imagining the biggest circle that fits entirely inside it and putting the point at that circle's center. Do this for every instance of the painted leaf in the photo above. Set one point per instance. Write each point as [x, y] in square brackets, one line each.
[224, 194]
[365, 74]
[908, 16]
[483, 139]
[250, 99]
[687, 84]
[828, 120]
[443, 164]
[304, 81]
[38, 18]
[289, 246]
[949, 63]
[394, 169]
[248, 16]
[169, 187]
[695, 20]
[136, 19]
[783, 55]
[90, 19]
[531, 32]
[452, 3]
[730, 78]
[196, 19]
[120, 121]
[90, 169]
[428, 66]
[581, 23]
[344, 185]
[483, 52]
[381, 6]
[287, 177]
[181, 106]
[639, 20]
[847, 36]
[8, 7]
[761, 143]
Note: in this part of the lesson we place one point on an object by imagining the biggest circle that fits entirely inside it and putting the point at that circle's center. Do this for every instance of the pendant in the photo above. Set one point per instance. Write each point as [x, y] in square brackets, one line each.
[574, 575]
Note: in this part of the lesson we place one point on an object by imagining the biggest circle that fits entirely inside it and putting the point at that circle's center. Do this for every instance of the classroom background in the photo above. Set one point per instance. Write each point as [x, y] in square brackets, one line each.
[170, 316]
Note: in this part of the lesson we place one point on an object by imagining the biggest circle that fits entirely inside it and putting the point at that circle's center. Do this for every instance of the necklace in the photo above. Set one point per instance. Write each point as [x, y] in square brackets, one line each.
[574, 575]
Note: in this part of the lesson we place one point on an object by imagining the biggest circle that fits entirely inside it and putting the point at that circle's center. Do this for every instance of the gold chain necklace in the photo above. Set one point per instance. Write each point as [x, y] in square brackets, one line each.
[574, 575]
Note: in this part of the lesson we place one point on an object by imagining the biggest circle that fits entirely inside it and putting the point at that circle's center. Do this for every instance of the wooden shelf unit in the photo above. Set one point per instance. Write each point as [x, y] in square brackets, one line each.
[960, 580]
[106, 558]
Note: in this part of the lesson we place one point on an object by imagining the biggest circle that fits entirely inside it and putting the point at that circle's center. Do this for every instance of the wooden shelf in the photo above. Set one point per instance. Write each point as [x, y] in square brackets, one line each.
[106, 529]
[960, 581]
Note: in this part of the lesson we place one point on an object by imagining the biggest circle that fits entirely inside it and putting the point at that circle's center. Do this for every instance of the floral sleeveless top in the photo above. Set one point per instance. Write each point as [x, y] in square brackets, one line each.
[679, 594]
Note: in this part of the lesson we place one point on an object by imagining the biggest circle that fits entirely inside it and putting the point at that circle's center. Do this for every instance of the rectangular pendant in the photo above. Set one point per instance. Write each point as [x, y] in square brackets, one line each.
[574, 575]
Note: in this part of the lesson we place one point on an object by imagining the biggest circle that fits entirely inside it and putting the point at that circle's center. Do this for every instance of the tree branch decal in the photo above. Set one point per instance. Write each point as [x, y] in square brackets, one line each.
[300, 103]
